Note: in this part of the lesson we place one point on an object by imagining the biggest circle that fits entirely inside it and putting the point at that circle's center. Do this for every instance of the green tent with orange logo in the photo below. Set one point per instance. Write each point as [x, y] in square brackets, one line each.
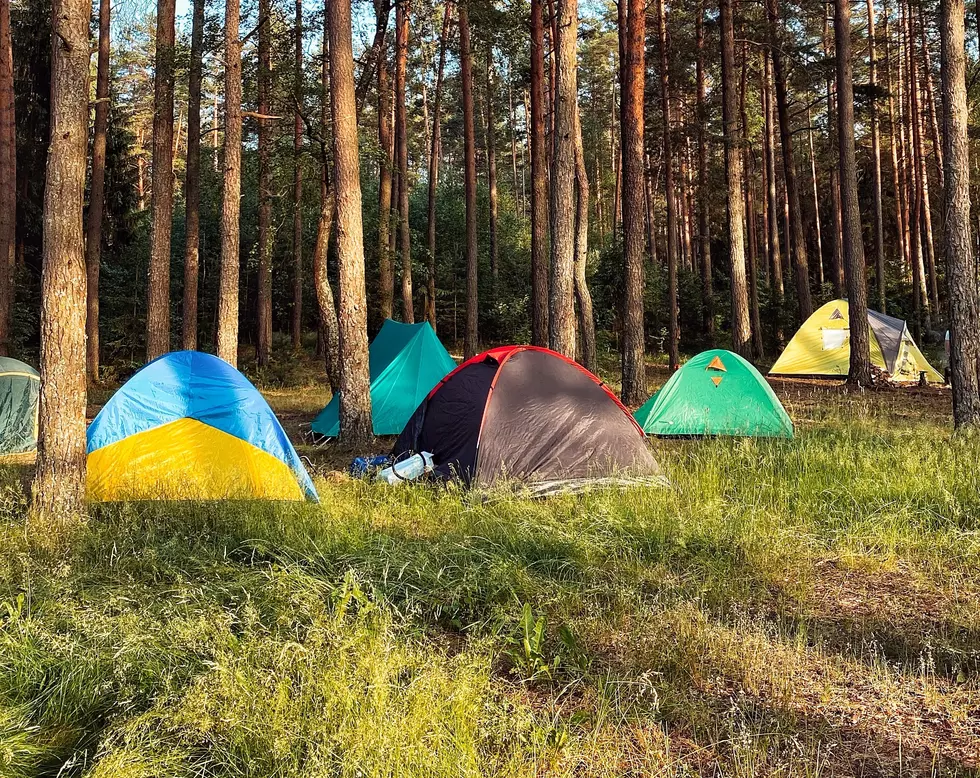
[717, 393]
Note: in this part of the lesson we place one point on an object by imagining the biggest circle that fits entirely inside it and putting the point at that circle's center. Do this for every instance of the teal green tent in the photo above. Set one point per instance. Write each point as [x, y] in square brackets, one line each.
[20, 386]
[715, 393]
[406, 362]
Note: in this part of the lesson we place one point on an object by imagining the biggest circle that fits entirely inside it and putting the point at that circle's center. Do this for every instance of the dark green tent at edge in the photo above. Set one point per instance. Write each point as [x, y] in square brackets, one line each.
[20, 387]
[716, 393]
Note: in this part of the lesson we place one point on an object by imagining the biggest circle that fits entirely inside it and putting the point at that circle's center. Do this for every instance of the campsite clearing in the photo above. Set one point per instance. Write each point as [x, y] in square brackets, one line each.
[800, 608]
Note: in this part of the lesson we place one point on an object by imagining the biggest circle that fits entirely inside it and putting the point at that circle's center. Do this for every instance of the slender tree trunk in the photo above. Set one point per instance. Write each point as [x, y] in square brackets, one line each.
[772, 222]
[562, 301]
[674, 329]
[816, 201]
[59, 484]
[704, 225]
[297, 312]
[879, 219]
[192, 182]
[434, 154]
[582, 294]
[231, 198]
[741, 327]
[937, 143]
[386, 271]
[512, 129]
[907, 187]
[491, 141]
[857, 288]
[752, 269]
[96, 208]
[836, 254]
[632, 80]
[264, 297]
[8, 168]
[355, 380]
[401, 148]
[158, 297]
[961, 264]
[371, 58]
[540, 282]
[328, 345]
[472, 338]
[900, 227]
[796, 238]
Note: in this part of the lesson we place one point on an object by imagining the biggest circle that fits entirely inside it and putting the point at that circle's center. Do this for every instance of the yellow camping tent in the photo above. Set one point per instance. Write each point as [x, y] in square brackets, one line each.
[822, 347]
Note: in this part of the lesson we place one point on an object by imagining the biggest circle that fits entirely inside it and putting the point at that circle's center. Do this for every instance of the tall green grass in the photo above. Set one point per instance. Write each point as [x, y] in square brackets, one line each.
[411, 631]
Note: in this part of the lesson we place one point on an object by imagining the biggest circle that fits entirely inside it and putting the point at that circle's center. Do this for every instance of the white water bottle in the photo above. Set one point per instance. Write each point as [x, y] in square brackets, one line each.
[409, 470]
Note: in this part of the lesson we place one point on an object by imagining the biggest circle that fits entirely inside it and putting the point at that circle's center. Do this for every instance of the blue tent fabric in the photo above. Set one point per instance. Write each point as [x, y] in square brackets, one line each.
[406, 362]
[195, 385]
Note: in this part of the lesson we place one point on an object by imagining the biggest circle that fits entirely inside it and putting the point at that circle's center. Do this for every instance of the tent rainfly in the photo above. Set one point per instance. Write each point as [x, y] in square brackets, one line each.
[20, 387]
[527, 415]
[405, 361]
[822, 347]
[188, 426]
[717, 393]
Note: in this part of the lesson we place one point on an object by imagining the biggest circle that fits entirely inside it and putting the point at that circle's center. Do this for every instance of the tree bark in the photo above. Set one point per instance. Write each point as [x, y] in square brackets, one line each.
[816, 202]
[264, 297]
[401, 149]
[674, 329]
[857, 288]
[879, 219]
[158, 297]
[231, 196]
[741, 328]
[472, 337]
[491, 142]
[540, 282]
[900, 226]
[772, 223]
[796, 237]
[752, 268]
[562, 301]
[704, 226]
[386, 271]
[961, 264]
[59, 484]
[297, 312]
[836, 248]
[8, 170]
[192, 182]
[96, 208]
[582, 294]
[372, 57]
[356, 427]
[632, 79]
[434, 153]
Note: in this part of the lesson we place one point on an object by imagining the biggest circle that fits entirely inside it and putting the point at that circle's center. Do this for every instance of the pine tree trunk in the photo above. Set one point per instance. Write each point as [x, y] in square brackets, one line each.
[879, 219]
[434, 154]
[386, 270]
[937, 143]
[961, 263]
[900, 227]
[328, 345]
[491, 142]
[632, 85]
[59, 484]
[96, 208]
[582, 294]
[158, 296]
[752, 269]
[857, 287]
[795, 237]
[401, 150]
[562, 302]
[192, 182]
[264, 296]
[297, 311]
[674, 329]
[472, 337]
[836, 233]
[373, 56]
[772, 222]
[540, 281]
[231, 196]
[8, 173]
[741, 327]
[356, 427]
[816, 202]
[704, 225]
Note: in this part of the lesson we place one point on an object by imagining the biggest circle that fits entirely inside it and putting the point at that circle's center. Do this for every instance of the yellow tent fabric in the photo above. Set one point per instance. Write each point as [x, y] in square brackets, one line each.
[187, 460]
[822, 347]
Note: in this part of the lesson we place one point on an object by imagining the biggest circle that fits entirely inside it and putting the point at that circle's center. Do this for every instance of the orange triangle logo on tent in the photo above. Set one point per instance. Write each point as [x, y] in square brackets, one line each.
[717, 364]
[836, 315]
[716, 379]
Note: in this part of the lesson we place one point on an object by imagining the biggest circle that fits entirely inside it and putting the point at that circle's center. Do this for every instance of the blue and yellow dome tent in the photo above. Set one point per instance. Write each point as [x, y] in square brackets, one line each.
[189, 426]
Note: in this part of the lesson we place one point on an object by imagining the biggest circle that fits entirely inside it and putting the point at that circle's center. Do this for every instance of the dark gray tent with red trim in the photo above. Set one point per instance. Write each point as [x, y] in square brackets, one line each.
[526, 414]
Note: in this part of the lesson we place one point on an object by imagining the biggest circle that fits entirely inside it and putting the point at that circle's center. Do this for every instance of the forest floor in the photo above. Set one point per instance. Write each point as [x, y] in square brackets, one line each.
[791, 608]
